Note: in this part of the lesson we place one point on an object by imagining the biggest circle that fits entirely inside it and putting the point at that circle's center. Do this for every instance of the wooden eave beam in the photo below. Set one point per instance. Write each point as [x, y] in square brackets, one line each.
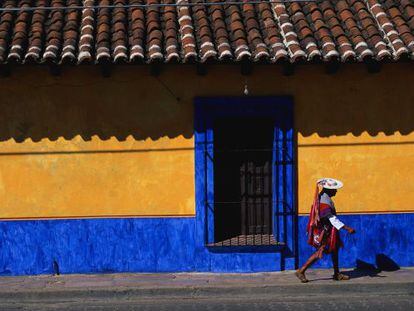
[246, 67]
[5, 70]
[155, 68]
[288, 69]
[54, 69]
[106, 68]
[332, 66]
[373, 66]
[201, 69]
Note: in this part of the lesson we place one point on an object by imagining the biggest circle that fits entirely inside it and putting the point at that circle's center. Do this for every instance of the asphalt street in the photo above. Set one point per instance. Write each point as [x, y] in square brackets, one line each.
[266, 302]
[367, 290]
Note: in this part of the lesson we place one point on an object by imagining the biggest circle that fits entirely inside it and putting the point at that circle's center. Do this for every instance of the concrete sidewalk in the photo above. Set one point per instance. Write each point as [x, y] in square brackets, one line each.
[203, 284]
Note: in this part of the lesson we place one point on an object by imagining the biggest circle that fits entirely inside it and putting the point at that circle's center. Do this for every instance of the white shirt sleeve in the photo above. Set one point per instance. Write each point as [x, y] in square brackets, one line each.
[336, 222]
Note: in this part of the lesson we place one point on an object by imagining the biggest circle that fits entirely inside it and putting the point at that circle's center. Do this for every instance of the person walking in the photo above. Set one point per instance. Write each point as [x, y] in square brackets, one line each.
[323, 228]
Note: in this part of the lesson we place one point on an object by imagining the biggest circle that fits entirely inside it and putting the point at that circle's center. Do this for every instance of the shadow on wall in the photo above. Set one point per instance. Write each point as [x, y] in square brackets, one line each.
[355, 102]
[354, 113]
[89, 117]
[86, 104]
[35, 106]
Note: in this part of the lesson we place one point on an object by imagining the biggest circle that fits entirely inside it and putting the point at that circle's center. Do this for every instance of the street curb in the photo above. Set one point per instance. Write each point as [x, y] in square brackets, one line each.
[276, 291]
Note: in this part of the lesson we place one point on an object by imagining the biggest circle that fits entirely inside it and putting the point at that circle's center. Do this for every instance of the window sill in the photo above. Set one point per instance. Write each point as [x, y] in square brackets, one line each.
[248, 240]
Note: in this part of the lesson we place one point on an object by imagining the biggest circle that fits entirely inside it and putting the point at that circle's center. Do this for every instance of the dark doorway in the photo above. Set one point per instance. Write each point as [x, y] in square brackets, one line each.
[243, 178]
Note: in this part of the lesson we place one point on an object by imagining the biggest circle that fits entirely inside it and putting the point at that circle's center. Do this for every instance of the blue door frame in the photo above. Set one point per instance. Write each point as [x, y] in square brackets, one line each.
[280, 110]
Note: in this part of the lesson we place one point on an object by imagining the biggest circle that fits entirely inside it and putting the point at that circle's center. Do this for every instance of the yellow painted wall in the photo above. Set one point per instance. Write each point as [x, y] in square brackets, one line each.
[81, 145]
[97, 178]
[376, 171]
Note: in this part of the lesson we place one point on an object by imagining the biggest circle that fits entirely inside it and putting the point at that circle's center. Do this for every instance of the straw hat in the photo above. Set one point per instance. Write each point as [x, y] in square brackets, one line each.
[330, 183]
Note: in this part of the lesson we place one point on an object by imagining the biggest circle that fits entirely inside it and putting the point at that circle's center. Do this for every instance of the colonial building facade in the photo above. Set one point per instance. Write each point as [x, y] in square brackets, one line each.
[139, 137]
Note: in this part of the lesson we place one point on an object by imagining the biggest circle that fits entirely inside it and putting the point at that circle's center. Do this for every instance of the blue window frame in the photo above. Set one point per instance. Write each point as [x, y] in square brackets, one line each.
[280, 111]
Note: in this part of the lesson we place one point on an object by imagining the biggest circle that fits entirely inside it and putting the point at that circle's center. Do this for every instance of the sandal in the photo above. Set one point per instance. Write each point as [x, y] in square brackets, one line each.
[341, 277]
[301, 276]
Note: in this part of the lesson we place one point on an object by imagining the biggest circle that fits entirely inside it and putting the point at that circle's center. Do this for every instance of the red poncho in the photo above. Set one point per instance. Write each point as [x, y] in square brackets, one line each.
[317, 233]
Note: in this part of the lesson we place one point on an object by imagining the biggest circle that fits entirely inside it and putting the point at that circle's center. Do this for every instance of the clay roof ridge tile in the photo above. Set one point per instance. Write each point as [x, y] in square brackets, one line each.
[137, 29]
[186, 32]
[401, 24]
[87, 30]
[387, 28]
[370, 31]
[119, 32]
[290, 41]
[204, 34]
[271, 33]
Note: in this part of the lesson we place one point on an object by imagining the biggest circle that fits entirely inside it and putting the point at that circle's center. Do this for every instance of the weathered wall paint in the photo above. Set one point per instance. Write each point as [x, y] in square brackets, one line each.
[376, 171]
[118, 245]
[389, 235]
[79, 178]
[175, 244]
[82, 111]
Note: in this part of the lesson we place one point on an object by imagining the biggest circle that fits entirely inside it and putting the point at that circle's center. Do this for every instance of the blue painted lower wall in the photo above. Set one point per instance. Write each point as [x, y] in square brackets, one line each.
[119, 245]
[176, 244]
[377, 236]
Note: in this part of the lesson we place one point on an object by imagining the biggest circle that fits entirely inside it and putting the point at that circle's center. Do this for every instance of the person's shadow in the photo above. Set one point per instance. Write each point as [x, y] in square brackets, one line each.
[364, 269]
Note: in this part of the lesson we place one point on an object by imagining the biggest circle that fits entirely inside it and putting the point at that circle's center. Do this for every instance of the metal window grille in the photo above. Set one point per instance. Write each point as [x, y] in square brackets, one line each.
[256, 200]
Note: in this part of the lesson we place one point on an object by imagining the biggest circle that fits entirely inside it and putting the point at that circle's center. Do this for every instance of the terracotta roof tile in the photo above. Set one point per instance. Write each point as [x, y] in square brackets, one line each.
[87, 31]
[370, 31]
[154, 34]
[54, 32]
[20, 33]
[254, 35]
[238, 32]
[323, 31]
[6, 24]
[291, 31]
[70, 32]
[203, 33]
[356, 37]
[36, 33]
[219, 30]
[185, 21]
[290, 37]
[103, 36]
[339, 33]
[396, 10]
[304, 31]
[119, 31]
[172, 49]
[387, 28]
[137, 28]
